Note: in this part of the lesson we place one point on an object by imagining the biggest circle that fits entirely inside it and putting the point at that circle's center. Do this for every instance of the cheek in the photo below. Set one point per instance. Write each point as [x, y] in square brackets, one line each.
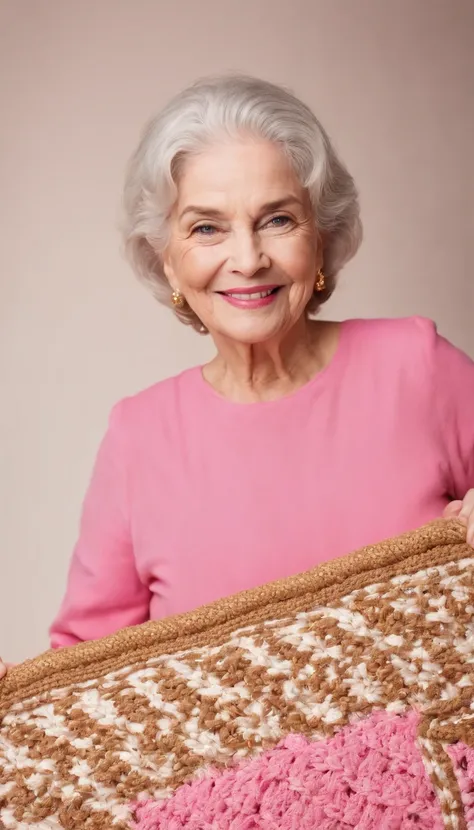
[298, 261]
[196, 267]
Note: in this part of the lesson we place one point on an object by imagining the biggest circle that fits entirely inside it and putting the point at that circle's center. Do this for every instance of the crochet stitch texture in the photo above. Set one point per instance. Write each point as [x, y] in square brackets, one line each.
[339, 698]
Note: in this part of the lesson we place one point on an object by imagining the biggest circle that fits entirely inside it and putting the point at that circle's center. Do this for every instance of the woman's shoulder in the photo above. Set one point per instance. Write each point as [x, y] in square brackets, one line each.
[160, 400]
[392, 347]
[406, 331]
[411, 345]
[394, 341]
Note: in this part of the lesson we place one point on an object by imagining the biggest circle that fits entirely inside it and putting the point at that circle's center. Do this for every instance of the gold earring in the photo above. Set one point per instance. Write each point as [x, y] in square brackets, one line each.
[320, 283]
[177, 299]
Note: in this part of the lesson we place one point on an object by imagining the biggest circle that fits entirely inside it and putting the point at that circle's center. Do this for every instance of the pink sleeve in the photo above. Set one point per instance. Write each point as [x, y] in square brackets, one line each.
[454, 406]
[104, 592]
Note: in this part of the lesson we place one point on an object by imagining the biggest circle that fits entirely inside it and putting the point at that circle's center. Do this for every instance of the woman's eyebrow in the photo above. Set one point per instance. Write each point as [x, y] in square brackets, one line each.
[201, 211]
[277, 204]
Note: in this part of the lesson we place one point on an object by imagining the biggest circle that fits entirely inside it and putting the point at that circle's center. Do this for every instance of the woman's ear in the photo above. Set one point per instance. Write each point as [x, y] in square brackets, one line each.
[321, 244]
[165, 258]
[168, 269]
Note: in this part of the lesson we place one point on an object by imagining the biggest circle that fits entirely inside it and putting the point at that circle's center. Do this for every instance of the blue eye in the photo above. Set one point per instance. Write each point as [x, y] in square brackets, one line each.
[204, 230]
[279, 221]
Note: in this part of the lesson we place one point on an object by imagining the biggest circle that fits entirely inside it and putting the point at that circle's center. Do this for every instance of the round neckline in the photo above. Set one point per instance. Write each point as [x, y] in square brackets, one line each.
[330, 368]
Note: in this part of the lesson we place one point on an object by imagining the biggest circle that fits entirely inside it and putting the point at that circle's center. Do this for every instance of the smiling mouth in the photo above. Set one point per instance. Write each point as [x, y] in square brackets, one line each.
[248, 296]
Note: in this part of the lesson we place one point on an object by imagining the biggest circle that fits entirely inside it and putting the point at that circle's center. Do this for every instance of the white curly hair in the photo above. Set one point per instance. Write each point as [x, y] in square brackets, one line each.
[194, 119]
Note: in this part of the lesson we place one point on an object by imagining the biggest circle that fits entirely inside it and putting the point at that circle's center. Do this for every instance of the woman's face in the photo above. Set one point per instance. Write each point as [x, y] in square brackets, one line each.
[243, 247]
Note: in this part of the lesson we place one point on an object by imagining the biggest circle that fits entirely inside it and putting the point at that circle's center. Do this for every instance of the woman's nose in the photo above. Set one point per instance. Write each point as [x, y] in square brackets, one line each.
[247, 256]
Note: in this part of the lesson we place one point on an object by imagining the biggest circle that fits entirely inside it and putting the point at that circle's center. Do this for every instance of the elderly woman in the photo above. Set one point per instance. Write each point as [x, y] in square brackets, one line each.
[302, 439]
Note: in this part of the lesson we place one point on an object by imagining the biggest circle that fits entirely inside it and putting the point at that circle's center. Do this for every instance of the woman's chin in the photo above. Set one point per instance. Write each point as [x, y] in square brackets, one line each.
[252, 331]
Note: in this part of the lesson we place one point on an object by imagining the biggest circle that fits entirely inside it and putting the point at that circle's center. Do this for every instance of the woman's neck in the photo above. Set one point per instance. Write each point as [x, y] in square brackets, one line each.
[249, 373]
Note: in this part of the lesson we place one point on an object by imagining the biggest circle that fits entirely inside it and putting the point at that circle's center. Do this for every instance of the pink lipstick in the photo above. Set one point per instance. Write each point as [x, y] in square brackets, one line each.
[256, 296]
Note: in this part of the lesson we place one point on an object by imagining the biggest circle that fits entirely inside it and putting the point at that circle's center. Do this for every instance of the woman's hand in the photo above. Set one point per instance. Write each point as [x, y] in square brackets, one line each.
[463, 510]
[4, 668]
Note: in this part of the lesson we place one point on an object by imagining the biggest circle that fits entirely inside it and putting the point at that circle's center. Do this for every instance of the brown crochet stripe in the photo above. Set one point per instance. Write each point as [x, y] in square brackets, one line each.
[85, 731]
[444, 781]
[433, 544]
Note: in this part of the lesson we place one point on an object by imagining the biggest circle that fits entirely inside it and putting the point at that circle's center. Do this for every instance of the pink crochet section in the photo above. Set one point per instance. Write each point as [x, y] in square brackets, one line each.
[370, 776]
[462, 757]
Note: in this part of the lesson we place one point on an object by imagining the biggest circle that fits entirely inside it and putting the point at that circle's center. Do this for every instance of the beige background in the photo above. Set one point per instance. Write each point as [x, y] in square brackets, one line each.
[391, 80]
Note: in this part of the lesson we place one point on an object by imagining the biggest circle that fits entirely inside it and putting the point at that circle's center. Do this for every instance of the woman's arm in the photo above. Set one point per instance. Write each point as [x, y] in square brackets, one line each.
[454, 401]
[104, 591]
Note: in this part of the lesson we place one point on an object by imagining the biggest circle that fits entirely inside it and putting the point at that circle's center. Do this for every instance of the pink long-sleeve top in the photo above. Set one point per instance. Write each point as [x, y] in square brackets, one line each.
[194, 497]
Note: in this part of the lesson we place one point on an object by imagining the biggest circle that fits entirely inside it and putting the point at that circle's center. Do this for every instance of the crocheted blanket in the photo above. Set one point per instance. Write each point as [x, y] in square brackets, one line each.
[342, 698]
